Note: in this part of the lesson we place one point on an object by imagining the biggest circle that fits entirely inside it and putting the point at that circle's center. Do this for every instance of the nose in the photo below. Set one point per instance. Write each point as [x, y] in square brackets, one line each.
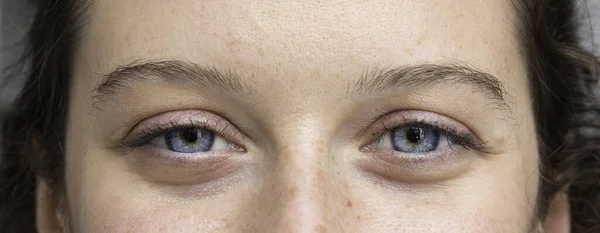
[303, 192]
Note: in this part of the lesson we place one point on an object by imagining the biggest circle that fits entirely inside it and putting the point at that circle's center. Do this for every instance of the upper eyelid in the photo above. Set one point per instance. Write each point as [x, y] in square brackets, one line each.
[149, 134]
[210, 121]
[463, 141]
[368, 132]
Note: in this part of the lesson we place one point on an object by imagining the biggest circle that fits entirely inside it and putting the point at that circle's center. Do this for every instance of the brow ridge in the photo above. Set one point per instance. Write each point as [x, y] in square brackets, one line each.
[378, 80]
[372, 80]
[172, 71]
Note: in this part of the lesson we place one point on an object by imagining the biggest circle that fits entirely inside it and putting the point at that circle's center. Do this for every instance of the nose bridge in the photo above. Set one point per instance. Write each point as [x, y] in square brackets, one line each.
[304, 174]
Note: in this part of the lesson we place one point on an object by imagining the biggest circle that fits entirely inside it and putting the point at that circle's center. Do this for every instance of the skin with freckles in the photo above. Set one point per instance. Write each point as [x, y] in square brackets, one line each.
[301, 144]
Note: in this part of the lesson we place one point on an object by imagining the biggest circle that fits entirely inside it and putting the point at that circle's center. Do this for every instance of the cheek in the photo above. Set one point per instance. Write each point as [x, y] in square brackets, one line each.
[124, 216]
[109, 199]
[498, 194]
[113, 205]
[473, 204]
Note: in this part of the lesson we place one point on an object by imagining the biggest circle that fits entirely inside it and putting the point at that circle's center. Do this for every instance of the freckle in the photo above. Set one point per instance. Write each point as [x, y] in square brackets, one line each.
[237, 62]
[349, 204]
[261, 52]
[291, 194]
[320, 150]
[234, 42]
[320, 229]
[358, 217]
[321, 174]
[420, 41]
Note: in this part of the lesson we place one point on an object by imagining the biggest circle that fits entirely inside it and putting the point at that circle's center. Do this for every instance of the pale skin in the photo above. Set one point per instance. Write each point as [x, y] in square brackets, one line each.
[300, 150]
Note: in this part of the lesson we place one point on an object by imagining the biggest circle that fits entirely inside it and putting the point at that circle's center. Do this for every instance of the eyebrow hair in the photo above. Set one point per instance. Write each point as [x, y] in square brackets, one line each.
[372, 80]
[377, 79]
[172, 71]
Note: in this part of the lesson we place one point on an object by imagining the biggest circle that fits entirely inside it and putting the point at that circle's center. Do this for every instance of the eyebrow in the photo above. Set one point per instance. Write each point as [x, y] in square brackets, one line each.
[377, 80]
[172, 71]
[372, 80]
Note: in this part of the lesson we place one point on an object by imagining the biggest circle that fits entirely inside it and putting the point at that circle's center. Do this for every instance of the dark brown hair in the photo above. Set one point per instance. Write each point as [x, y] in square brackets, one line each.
[563, 84]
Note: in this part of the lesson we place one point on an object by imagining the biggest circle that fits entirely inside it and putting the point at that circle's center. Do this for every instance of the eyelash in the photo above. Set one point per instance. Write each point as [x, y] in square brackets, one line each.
[146, 135]
[465, 140]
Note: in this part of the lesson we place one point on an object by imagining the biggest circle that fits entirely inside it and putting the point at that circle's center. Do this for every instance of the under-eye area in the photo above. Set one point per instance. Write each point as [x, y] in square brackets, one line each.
[419, 147]
[189, 147]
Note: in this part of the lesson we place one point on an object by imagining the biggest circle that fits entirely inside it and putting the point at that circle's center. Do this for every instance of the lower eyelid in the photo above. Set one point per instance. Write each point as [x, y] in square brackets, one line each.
[166, 156]
[444, 159]
[171, 168]
[402, 168]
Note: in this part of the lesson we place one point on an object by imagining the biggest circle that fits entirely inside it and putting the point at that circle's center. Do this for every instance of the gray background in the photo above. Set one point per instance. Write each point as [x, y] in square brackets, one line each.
[16, 16]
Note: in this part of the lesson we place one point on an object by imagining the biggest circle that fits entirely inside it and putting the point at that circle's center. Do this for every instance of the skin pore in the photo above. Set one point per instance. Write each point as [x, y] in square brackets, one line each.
[301, 101]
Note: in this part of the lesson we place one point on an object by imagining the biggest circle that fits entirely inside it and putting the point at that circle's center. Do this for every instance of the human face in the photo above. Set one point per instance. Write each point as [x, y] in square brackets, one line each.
[297, 116]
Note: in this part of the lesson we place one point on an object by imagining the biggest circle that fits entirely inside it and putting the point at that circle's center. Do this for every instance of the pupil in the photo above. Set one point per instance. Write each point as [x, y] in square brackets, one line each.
[414, 135]
[190, 135]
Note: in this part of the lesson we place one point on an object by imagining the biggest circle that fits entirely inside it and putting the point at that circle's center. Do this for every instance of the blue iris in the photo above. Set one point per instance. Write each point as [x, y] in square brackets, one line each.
[414, 139]
[190, 140]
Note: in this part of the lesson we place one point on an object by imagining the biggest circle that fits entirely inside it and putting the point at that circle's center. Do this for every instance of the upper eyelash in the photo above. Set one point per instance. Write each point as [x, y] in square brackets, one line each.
[148, 134]
[465, 140]
[462, 139]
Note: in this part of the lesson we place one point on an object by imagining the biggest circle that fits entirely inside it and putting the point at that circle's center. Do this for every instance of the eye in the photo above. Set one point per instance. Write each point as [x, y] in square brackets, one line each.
[412, 139]
[417, 147]
[420, 132]
[185, 132]
[188, 152]
[191, 140]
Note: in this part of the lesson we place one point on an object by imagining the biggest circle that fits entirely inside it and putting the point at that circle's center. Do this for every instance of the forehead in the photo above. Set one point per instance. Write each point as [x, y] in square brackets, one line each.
[267, 33]
[299, 46]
